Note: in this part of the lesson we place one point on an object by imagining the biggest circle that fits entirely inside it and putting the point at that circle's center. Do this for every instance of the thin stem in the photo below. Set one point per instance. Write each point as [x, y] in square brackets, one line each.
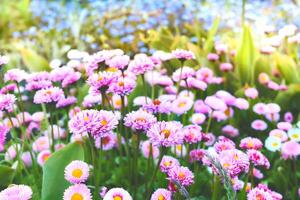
[145, 87]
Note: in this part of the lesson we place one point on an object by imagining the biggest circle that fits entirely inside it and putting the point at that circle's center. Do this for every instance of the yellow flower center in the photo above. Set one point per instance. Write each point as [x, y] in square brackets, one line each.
[161, 197]
[46, 157]
[236, 157]
[118, 102]
[295, 136]
[274, 144]
[77, 196]
[100, 78]
[167, 163]
[49, 92]
[86, 118]
[112, 69]
[77, 173]
[227, 112]
[166, 133]
[103, 122]
[121, 83]
[250, 144]
[226, 165]
[118, 197]
[179, 147]
[181, 104]
[181, 175]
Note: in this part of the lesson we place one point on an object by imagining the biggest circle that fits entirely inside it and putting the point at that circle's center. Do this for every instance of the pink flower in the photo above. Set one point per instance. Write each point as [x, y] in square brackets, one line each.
[260, 108]
[257, 158]
[290, 149]
[161, 194]
[165, 133]
[77, 172]
[288, 117]
[157, 106]
[3, 60]
[225, 67]
[230, 131]
[198, 118]
[285, 126]
[279, 133]
[41, 143]
[241, 104]
[181, 105]
[66, 102]
[70, 79]
[16, 75]
[102, 80]
[212, 57]
[192, 134]
[117, 193]
[16, 192]
[234, 161]
[195, 83]
[252, 93]
[119, 62]
[139, 120]
[215, 103]
[141, 64]
[228, 98]
[259, 125]
[183, 73]
[77, 191]
[223, 144]
[197, 155]
[251, 143]
[123, 86]
[7, 102]
[201, 107]
[221, 48]
[167, 163]
[182, 175]
[3, 131]
[43, 156]
[183, 54]
[108, 142]
[48, 95]
[146, 149]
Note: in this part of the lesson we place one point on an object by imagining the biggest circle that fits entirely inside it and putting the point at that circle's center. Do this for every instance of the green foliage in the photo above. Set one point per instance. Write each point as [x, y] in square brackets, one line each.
[245, 57]
[288, 68]
[54, 183]
[7, 175]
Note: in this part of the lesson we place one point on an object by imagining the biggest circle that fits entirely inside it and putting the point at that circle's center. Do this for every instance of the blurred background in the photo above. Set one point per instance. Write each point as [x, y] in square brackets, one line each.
[33, 32]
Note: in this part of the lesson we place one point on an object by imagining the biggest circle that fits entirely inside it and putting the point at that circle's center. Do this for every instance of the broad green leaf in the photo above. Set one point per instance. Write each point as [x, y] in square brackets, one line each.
[7, 175]
[289, 99]
[33, 61]
[54, 183]
[245, 57]
[287, 67]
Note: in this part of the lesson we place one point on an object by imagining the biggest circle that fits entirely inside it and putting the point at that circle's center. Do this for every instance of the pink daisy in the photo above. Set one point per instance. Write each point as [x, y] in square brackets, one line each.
[182, 175]
[7, 102]
[182, 54]
[257, 158]
[167, 163]
[192, 134]
[161, 194]
[141, 64]
[165, 133]
[48, 95]
[78, 191]
[117, 194]
[77, 172]
[139, 120]
[259, 125]
[16, 192]
[251, 143]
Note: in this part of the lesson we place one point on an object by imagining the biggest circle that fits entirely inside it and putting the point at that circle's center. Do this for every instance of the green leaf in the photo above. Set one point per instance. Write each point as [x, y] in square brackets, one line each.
[245, 57]
[54, 183]
[287, 67]
[33, 61]
[209, 44]
[7, 175]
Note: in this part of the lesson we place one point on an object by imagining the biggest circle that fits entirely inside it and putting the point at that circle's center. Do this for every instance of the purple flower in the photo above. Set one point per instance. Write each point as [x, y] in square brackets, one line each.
[167, 163]
[48, 95]
[257, 158]
[119, 62]
[139, 120]
[182, 175]
[15, 75]
[141, 64]
[183, 54]
[123, 86]
[165, 133]
[102, 80]
[66, 102]
[7, 102]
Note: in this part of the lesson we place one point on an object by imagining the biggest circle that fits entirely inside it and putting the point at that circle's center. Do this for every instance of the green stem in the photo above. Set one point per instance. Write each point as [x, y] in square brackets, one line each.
[145, 87]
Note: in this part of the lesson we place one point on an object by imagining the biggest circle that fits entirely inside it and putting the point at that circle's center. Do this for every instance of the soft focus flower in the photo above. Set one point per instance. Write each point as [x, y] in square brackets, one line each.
[117, 194]
[225, 67]
[182, 175]
[215, 103]
[252, 93]
[182, 54]
[181, 105]
[3, 60]
[257, 158]
[196, 155]
[183, 73]
[41, 143]
[15, 75]
[139, 120]
[234, 161]
[7, 102]
[77, 172]
[259, 125]
[76, 192]
[251, 143]
[147, 147]
[192, 134]
[290, 149]
[43, 156]
[141, 64]
[3, 131]
[198, 118]
[161, 194]
[230, 131]
[16, 192]
[294, 134]
[48, 95]
[66, 102]
[119, 62]
[165, 133]
[279, 134]
[273, 143]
